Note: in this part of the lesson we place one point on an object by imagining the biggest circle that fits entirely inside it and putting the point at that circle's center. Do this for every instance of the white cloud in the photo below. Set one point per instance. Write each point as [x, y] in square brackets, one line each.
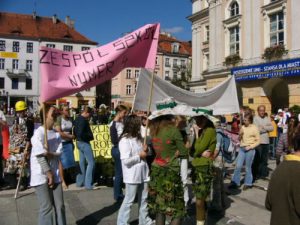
[173, 30]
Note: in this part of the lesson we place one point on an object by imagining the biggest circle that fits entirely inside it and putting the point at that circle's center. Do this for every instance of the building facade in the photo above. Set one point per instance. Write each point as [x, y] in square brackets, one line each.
[20, 39]
[257, 41]
[173, 63]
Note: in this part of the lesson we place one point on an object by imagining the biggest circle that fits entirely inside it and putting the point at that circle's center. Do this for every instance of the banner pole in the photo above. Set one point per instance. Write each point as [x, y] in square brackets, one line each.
[45, 127]
[149, 106]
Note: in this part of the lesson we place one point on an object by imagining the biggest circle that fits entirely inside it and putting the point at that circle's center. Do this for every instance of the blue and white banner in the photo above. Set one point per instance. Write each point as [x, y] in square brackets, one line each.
[267, 70]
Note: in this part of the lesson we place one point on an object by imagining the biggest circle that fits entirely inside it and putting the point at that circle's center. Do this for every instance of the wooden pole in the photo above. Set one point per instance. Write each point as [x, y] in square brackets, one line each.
[22, 169]
[149, 106]
[45, 127]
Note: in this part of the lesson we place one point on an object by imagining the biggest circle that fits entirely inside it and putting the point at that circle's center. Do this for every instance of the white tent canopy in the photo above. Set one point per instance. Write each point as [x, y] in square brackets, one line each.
[221, 99]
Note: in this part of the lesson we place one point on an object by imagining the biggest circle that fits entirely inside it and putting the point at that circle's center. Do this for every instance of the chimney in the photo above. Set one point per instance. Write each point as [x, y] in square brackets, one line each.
[54, 19]
[70, 23]
[34, 15]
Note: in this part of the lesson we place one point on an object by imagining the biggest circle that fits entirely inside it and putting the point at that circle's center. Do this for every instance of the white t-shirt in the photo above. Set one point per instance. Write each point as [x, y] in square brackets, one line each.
[66, 126]
[135, 170]
[38, 177]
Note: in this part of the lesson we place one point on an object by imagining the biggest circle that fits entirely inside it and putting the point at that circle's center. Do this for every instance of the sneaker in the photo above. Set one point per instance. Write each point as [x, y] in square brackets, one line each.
[93, 188]
[246, 187]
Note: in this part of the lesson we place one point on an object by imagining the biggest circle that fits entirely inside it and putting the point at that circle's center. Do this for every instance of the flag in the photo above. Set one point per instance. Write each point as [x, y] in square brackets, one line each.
[221, 99]
[65, 73]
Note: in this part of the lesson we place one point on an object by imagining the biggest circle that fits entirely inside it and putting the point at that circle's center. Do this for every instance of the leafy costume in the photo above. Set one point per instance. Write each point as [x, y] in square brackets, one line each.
[203, 167]
[165, 186]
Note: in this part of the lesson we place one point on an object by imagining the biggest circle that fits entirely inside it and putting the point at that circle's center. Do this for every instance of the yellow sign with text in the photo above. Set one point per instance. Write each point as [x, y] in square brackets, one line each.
[12, 55]
[101, 145]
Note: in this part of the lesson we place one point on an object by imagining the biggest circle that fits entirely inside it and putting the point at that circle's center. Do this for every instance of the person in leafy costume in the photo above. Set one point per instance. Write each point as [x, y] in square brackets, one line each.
[165, 197]
[202, 163]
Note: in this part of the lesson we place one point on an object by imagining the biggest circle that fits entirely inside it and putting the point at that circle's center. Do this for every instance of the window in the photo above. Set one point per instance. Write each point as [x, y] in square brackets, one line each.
[16, 46]
[2, 64]
[136, 73]
[175, 47]
[234, 9]
[167, 74]
[14, 83]
[2, 45]
[50, 45]
[29, 65]
[276, 29]
[167, 62]
[234, 40]
[182, 63]
[85, 48]
[15, 64]
[135, 87]
[207, 33]
[29, 47]
[175, 75]
[156, 61]
[128, 74]
[28, 84]
[205, 62]
[174, 62]
[68, 48]
[128, 89]
[2, 82]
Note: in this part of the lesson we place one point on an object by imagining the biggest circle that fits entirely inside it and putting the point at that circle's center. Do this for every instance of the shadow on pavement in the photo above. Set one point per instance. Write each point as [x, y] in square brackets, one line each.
[95, 217]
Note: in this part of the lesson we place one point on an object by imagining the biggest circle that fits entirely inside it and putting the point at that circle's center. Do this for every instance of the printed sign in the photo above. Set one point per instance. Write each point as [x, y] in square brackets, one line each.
[268, 70]
[101, 145]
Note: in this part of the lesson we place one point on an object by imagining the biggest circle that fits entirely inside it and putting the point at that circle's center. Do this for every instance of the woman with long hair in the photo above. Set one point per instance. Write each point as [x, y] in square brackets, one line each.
[116, 129]
[249, 139]
[135, 171]
[165, 186]
[285, 143]
[202, 163]
[64, 126]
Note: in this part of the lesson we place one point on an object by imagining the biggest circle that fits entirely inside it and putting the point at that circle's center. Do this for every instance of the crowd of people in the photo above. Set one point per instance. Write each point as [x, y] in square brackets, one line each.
[153, 157]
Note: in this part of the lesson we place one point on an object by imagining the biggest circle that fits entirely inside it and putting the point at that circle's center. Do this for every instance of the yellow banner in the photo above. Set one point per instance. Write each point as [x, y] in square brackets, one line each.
[12, 55]
[101, 145]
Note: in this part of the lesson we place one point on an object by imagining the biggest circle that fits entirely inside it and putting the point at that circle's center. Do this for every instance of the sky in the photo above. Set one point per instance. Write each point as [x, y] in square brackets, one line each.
[104, 21]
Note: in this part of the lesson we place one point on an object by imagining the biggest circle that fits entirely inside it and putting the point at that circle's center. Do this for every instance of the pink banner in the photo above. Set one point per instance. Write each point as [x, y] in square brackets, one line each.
[66, 73]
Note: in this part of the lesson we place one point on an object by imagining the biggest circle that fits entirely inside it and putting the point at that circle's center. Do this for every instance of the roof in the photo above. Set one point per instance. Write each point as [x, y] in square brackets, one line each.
[165, 45]
[22, 26]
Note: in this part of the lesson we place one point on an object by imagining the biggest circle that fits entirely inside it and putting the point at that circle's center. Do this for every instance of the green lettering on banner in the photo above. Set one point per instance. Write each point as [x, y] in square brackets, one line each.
[101, 145]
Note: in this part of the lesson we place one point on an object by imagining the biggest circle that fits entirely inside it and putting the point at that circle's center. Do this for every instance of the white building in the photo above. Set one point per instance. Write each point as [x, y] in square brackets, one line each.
[255, 40]
[20, 39]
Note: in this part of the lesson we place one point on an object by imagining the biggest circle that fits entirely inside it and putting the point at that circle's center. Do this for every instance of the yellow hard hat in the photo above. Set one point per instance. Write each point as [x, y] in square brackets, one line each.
[20, 106]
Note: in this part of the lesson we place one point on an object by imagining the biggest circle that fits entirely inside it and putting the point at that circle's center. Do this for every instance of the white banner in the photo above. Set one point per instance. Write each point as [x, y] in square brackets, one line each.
[221, 99]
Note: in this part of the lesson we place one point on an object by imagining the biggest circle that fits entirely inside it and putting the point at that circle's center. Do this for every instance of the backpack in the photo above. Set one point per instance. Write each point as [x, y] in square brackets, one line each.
[227, 148]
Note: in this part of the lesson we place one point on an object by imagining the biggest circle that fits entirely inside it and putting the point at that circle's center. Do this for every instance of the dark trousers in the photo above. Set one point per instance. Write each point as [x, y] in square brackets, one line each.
[260, 163]
[118, 181]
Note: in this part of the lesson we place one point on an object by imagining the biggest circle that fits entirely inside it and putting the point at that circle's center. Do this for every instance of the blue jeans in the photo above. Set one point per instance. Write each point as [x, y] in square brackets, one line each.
[85, 177]
[47, 198]
[248, 157]
[118, 181]
[130, 193]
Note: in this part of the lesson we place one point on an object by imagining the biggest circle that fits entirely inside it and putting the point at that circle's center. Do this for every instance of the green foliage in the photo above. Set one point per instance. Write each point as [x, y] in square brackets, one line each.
[274, 52]
[295, 109]
[232, 60]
